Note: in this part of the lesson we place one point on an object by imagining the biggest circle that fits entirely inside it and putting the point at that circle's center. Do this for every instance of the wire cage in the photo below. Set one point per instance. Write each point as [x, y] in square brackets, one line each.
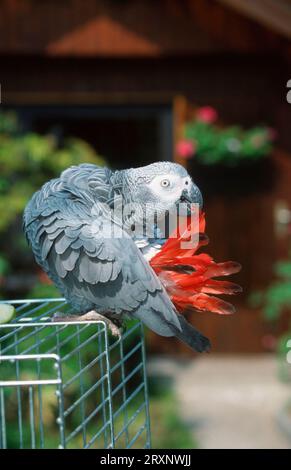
[71, 385]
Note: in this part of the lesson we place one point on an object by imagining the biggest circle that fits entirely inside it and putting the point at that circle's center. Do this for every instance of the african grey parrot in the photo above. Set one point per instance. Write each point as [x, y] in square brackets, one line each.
[65, 222]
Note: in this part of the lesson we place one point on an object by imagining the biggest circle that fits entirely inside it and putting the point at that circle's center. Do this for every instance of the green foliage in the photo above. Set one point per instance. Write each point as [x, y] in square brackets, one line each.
[168, 430]
[8, 123]
[277, 297]
[229, 146]
[283, 269]
[4, 265]
[43, 291]
[283, 349]
[27, 160]
[276, 300]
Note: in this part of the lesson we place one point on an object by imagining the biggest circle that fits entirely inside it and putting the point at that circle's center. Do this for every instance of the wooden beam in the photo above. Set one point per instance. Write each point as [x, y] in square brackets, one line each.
[274, 14]
[92, 98]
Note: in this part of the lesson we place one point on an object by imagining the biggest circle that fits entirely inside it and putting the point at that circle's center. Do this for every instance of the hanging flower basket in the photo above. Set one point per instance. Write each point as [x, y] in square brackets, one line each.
[226, 159]
[230, 146]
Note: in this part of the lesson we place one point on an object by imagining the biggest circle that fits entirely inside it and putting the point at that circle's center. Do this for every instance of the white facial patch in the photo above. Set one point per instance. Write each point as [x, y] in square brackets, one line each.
[168, 188]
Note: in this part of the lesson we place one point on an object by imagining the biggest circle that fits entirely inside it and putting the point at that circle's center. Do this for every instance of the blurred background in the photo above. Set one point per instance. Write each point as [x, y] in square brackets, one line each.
[204, 83]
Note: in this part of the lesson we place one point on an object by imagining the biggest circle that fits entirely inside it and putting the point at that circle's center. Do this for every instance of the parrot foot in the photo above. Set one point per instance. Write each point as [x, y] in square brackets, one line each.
[114, 325]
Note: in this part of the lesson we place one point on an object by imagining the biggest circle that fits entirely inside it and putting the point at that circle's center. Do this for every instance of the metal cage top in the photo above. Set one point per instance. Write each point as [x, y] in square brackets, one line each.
[70, 385]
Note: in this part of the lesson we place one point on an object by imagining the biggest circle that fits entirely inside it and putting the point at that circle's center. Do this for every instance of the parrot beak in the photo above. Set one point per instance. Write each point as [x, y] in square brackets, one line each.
[191, 196]
[196, 196]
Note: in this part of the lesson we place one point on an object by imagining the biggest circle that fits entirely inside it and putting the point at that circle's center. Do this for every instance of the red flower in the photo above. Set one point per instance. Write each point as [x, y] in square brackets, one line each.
[206, 114]
[189, 278]
[185, 148]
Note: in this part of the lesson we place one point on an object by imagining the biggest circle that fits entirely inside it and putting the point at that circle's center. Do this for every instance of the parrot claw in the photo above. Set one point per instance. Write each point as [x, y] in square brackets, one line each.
[114, 325]
[58, 316]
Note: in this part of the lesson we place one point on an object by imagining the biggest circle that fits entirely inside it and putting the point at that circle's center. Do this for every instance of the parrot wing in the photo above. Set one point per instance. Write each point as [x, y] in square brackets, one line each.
[95, 271]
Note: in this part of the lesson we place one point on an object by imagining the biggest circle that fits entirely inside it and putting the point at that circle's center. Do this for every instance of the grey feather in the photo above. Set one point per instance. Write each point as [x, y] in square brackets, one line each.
[69, 259]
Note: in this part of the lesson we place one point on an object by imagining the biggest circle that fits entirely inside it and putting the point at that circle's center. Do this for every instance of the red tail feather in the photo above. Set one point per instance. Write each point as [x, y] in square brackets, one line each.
[187, 276]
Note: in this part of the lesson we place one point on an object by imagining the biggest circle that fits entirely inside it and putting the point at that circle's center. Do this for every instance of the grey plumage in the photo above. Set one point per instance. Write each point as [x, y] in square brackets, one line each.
[64, 223]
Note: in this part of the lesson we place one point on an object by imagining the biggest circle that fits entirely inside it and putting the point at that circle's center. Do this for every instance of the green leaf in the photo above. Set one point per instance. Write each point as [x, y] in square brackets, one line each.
[283, 269]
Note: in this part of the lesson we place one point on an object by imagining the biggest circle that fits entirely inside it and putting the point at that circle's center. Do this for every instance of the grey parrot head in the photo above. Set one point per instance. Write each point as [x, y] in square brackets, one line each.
[161, 186]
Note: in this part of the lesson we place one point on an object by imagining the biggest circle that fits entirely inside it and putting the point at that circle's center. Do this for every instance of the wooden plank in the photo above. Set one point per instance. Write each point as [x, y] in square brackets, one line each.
[275, 14]
[85, 98]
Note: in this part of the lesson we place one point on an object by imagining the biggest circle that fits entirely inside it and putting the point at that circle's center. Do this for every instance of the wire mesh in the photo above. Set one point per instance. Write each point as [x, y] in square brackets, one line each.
[71, 385]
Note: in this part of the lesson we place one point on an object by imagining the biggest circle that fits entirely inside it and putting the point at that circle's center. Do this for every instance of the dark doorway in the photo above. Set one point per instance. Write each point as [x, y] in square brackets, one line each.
[125, 135]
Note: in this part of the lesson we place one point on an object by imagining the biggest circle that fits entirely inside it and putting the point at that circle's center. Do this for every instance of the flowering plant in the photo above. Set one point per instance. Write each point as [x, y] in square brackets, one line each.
[211, 144]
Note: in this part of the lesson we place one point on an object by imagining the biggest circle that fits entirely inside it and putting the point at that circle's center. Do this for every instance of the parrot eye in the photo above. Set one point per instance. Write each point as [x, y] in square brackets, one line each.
[165, 183]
